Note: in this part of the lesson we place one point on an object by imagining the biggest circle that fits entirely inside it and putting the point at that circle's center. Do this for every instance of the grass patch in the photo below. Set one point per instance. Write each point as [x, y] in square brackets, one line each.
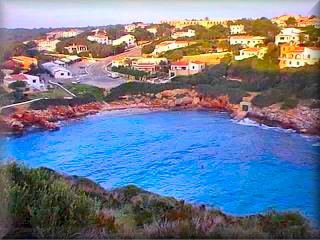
[84, 89]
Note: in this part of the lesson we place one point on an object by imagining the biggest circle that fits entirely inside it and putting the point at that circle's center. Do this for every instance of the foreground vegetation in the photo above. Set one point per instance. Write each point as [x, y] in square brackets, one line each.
[44, 204]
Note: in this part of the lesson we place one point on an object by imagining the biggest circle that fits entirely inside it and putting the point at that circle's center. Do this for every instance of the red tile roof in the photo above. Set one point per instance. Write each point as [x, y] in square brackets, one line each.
[16, 77]
[180, 63]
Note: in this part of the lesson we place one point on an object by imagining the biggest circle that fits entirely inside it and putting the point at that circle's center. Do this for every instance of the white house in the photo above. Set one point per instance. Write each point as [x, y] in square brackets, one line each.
[78, 48]
[251, 52]
[57, 71]
[133, 26]
[46, 44]
[64, 33]
[186, 68]
[170, 45]
[189, 33]
[128, 39]
[33, 82]
[237, 29]
[248, 41]
[288, 35]
[99, 37]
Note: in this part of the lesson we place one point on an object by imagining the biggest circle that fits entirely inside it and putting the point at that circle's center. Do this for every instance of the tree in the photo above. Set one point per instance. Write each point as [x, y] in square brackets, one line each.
[19, 88]
[17, 69]
[142, 34]
[33, 69]
[291, 22]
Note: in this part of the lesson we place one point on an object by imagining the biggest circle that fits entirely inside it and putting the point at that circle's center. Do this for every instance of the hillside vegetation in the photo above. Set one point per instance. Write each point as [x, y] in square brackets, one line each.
[44, 204]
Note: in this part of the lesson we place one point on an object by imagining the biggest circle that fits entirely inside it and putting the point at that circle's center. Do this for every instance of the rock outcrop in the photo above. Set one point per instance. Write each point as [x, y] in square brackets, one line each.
[302, 118]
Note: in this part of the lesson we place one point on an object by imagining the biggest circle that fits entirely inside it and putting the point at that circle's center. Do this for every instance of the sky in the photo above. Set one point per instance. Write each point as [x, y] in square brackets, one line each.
[82, 13]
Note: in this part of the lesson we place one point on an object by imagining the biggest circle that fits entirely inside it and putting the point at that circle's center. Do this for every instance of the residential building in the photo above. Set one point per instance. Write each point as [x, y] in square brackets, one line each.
[99, 36]
[146, 67]
[251, 52]
[170, 45]
[63, 33]
[25, 62]
[207, 58]
[189, 33]
[237, 29]
[46, 44]
[131, 27]
[139, 63]
[128, 39]
[182, 68]
[56, 70]
[179, 24]
[245, 40]
[288, 35]
[78, 48]
[33, 82]
[152, 30]
[296, 56]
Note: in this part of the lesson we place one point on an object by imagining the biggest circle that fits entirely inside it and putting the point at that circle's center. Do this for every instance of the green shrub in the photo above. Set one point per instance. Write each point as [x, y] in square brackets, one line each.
[289, 103]
[85, 90]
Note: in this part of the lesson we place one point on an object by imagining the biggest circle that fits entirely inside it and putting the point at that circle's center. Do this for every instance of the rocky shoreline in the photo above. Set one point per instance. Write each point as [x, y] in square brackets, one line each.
[302, 118]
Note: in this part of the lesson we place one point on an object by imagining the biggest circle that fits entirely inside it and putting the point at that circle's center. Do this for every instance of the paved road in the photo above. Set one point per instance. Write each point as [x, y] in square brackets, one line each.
[97, 74]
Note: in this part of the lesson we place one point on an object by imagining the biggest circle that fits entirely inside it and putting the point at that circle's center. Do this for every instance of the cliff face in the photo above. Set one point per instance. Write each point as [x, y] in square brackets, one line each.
[302, 118]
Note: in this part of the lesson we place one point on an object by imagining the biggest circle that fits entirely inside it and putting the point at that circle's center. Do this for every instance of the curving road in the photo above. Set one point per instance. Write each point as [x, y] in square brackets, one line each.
[97, 74]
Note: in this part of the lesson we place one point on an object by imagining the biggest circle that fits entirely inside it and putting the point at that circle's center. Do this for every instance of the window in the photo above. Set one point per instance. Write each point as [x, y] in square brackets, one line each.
[298, 63]
[309, 56]
[290, 62]
[184, 68]
[193, 67]
[61, 74]
[34, 80]
[68, 74]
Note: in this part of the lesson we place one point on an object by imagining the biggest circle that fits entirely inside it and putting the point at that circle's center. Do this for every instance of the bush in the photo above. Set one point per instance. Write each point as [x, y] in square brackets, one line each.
[85, 90]
[289, 103]
[130, 71]
[133, 88]
[45, 103]
[268, 98]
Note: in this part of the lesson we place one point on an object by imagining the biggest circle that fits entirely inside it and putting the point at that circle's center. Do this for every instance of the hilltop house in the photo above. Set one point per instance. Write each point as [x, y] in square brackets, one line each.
[128, 39]
[182, 68]
[251, 52]
[25, 62]
[63, 33]
[179, 24]
[295, 56]
[237, 29]
[245, 40]
[288, 35]
[78, 48]
[170, 45]
[56, 70]
[46, 44]
[99, 36]
[131, 27]
[189, 33]
[33, 82]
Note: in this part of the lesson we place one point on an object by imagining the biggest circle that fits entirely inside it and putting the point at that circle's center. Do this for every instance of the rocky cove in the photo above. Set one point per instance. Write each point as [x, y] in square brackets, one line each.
[302, 118]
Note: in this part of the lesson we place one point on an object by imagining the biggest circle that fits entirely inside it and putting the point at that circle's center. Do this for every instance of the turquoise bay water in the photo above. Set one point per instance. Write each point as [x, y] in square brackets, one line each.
[202, 157]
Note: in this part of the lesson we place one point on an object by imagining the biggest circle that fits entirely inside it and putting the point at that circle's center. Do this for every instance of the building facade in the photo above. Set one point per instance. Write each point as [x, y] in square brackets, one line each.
[184, 68]
[33, 82]
[56, 70]
[170, 45]
[247, 41]
[128, 39]
[77, 48]
[295, 56]
[190, 33]
[251, 52]
[237, 29]
[179, 24]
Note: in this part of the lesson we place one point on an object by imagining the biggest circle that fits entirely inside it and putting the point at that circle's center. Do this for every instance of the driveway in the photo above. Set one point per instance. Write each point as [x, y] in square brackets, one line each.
[97, 74]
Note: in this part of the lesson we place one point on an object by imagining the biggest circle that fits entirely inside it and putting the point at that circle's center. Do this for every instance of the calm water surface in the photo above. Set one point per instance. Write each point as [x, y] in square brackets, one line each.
[202, 157]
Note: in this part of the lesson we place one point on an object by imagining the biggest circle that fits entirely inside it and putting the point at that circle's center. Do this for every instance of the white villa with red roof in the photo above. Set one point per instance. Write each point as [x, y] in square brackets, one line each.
[183, 68]
[288, 35]
[246, 40]
[33, 82]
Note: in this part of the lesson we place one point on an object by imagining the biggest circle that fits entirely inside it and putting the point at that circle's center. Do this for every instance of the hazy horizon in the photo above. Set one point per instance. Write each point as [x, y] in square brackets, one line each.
[46, 14]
